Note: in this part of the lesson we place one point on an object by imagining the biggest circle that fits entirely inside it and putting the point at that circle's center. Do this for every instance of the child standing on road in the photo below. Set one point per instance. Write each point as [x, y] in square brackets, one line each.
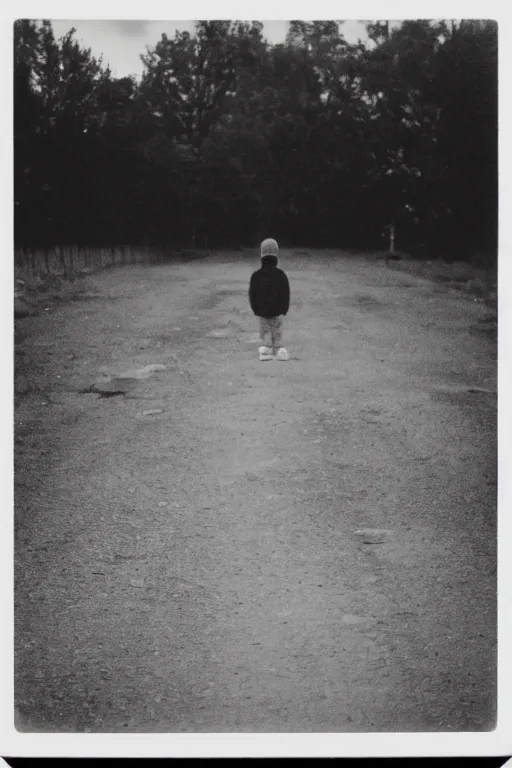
[269, 296]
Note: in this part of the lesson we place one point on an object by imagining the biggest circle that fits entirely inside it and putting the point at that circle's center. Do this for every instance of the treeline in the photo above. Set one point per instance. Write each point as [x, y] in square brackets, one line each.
[227, 139]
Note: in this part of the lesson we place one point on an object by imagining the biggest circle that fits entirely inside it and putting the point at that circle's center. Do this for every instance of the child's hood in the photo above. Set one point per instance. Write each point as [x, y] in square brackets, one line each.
[269, 261]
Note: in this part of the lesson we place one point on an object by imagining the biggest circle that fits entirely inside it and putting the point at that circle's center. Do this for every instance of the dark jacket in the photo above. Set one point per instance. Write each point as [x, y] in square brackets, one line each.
[269, 290]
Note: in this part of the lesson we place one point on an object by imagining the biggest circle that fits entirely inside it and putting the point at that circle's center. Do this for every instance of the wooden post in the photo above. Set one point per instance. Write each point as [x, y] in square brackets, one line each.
[392, 238]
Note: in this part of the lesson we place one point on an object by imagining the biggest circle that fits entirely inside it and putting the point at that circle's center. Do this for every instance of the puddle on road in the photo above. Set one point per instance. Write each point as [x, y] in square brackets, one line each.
[110, 385]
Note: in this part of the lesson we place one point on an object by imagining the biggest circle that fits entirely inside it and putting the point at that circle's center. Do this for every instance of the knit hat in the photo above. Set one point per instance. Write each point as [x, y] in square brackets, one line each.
[269, 247]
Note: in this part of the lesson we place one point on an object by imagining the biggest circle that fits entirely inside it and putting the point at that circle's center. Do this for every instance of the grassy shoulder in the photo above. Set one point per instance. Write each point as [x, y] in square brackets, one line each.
[476, 280]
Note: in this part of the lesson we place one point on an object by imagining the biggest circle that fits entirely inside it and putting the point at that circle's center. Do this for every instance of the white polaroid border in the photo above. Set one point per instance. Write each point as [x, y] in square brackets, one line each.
[495, 743]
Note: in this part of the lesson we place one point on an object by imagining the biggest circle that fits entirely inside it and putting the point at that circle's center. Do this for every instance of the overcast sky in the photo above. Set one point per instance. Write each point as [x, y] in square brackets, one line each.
[122, 42]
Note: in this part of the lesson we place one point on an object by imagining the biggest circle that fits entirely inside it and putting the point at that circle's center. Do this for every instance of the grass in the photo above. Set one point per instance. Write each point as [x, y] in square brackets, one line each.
[474, 278]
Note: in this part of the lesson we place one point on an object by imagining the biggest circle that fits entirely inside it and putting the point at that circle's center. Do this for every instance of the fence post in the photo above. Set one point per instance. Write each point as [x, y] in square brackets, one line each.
[392, 238]
[40, 265]
[29, 267]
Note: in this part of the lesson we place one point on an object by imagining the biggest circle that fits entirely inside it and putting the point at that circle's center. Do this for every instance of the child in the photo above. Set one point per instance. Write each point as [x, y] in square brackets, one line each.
[269, 296]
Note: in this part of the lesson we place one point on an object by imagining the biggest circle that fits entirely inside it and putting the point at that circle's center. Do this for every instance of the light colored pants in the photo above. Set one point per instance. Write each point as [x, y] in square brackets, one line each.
[271, 332]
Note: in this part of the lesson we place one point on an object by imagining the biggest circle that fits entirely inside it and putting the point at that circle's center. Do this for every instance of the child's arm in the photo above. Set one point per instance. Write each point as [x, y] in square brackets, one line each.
[252, 295]
[285, 292]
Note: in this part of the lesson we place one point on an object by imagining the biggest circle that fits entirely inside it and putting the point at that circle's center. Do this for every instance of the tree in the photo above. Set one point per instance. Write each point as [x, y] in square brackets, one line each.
[227, 138]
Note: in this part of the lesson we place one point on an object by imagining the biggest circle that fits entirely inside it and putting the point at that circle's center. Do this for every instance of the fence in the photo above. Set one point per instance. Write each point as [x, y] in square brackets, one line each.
[39, 266]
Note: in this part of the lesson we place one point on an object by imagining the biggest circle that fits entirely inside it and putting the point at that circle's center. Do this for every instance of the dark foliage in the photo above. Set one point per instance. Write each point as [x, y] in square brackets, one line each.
[227, 139]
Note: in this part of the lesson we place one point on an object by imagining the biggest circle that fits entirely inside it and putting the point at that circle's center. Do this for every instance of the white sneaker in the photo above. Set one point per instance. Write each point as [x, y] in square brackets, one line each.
[265, 353]
[282, 354]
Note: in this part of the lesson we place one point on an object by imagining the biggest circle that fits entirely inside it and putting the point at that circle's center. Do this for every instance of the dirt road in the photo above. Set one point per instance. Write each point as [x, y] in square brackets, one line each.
[242, 546]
